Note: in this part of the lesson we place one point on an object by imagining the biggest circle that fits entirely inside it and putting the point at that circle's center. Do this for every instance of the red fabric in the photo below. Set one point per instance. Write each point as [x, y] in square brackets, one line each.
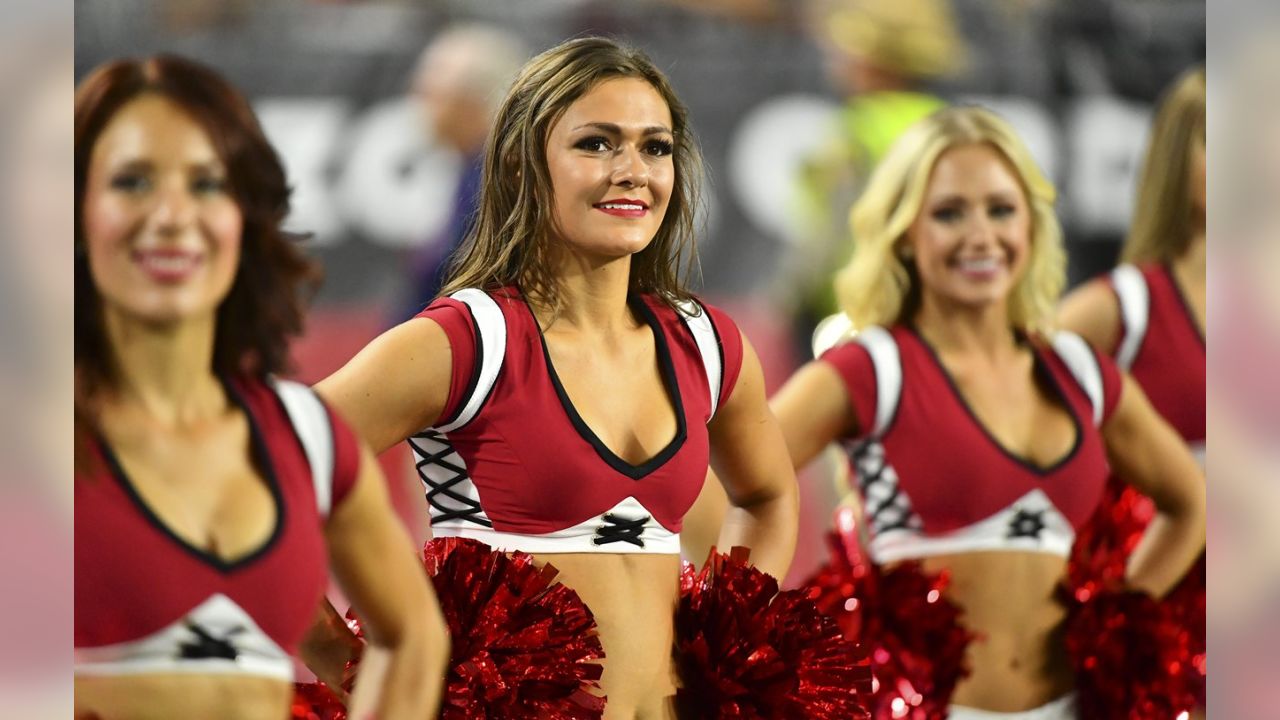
[1170, 363]
[853, 363]
[536, 473]
[455, 319]
[134, 578]
[931, 414]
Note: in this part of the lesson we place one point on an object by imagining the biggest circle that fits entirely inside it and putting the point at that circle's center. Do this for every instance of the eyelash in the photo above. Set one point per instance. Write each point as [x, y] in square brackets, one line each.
[950, 214]
[657, 148]
[130, 182]
[209, 185]
[135, 183]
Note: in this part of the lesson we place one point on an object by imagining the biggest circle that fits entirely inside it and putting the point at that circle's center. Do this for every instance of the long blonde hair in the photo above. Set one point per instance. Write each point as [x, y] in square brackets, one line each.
[1161, 228]
[511, 242]
[878, 288]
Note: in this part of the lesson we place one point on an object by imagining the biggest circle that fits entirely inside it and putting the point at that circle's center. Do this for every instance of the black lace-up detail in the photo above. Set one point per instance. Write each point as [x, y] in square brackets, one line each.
[620, 529]
[884, 503]
[434, 450]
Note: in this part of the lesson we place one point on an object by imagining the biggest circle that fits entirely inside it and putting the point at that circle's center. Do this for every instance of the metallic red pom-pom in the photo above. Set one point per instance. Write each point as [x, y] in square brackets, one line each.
[1101, 553]
[315, 701]
[1130, 654]
[746, 651]
[912, 632]
[523, 646]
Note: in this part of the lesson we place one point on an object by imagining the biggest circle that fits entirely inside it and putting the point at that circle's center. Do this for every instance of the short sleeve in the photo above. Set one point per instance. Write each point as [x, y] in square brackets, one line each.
[455, 318]
[1112, 383]
[729, 339]
[346, 457]
[853, 364]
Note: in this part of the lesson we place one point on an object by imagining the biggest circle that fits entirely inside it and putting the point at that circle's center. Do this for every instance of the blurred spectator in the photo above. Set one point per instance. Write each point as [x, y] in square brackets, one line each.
[460, 80]
[880, 56]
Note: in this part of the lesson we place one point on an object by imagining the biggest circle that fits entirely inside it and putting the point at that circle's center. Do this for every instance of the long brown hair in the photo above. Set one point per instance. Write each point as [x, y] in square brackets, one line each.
[264, 307]
[1161, 228]
[511, 240]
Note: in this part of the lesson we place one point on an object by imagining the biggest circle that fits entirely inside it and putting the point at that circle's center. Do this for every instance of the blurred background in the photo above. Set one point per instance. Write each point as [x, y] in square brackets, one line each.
[378, 108]
[791, 99]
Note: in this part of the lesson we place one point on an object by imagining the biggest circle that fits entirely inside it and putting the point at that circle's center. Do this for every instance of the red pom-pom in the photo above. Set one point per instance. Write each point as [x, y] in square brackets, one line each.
[913, 633]
[315, 701]
[523, 645]
[1101, 553]
[1130, 655]
[747, 651]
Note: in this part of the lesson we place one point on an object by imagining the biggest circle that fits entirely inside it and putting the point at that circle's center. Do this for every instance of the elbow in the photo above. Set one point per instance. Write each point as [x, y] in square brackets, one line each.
[778, 495]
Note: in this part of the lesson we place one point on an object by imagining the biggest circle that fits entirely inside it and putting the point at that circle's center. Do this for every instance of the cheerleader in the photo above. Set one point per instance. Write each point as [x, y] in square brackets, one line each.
[565, 393]
[981, 438]
[211, 498]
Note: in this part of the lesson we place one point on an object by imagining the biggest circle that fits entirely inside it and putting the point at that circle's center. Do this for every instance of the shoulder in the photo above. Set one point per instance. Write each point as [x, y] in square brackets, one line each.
[1092, 311]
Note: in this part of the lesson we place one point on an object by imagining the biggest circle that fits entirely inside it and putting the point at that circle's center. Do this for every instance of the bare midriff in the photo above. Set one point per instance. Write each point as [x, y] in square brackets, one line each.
[633, 598]
[163, 696]
[1017, 660]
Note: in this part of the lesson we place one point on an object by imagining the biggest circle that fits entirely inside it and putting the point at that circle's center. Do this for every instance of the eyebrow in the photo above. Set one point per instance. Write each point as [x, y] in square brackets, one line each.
[954, 198]
[213, 165]
[617, 130]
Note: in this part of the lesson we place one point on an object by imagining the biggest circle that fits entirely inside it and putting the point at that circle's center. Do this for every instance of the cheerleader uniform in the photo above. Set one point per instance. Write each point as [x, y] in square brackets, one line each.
[512, 464]
[1162, 347]
[147, 601]
[934, 481]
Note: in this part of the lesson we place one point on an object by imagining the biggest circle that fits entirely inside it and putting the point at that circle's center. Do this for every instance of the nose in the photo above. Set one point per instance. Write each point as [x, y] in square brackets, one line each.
[175, 209]
[982, 231]
[630, 169]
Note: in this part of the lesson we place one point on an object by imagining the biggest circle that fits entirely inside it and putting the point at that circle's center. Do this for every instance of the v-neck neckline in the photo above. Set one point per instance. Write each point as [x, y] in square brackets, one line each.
[669, 383]
[1041, 370]
[269, 475]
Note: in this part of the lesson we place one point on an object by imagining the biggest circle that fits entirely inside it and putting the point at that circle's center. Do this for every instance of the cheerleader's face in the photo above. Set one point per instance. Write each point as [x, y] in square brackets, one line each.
[162, 230]
[971, 240]
[610, 160]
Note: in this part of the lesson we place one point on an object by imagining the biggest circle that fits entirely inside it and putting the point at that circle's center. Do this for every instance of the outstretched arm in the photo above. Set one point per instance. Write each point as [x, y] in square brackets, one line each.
[394, 387]
[813, 409]
[1092, 311]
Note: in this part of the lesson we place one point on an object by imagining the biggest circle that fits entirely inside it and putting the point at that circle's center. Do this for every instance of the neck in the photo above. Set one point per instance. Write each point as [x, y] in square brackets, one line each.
[165, 370]
[593, 296]
[950, 327]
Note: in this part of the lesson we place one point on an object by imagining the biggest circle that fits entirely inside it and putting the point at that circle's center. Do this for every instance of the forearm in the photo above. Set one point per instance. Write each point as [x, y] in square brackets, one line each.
[411, 680]
[1167, 551]
[328, 646]
[768, 527]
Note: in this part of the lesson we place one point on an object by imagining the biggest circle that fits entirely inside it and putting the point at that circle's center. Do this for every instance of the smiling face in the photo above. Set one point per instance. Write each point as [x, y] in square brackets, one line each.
[610, 160]
[162, 231]
[971, 241]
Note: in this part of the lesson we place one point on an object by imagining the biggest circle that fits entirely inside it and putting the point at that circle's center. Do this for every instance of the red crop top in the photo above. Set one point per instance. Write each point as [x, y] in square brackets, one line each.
[935, 481]
[512, 464]
[147, 601]
[1161, 346]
